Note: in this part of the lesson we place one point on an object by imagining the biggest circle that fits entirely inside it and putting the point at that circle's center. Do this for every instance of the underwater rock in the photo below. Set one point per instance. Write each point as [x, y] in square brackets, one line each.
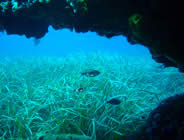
[157, 24]
[166, 121]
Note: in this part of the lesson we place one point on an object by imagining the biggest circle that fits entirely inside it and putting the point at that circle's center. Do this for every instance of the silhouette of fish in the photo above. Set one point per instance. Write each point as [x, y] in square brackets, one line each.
[90, 73]
[114, 101]
[81, 89]
[36, 41]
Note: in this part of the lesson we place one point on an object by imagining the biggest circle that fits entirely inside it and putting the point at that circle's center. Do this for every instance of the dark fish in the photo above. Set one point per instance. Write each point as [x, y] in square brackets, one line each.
[36, 41]
[114, 101]
[162, 66]
[90, 73]
[79, 89]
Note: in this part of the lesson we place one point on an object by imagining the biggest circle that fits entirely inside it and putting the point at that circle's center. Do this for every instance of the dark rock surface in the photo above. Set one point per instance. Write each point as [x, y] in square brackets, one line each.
[156, 24]
[166, 122]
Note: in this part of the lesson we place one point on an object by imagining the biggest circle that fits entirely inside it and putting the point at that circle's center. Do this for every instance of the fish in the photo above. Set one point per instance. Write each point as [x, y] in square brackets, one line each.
[36, 41]
[81, 89]
[90, 73]
[114, 101]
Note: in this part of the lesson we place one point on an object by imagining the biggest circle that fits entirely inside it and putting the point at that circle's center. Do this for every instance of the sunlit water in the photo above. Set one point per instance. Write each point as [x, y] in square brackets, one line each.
[65, 42]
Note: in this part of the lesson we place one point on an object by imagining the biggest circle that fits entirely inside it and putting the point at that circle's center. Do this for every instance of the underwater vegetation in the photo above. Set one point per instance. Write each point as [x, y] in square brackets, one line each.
[49, 98]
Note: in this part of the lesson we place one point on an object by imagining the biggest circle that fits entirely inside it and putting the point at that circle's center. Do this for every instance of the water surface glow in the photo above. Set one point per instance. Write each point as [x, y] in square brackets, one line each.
[64, 42]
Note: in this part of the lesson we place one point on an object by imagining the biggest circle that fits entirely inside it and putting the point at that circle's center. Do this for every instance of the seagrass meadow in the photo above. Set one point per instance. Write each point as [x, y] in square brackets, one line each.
[39, 100]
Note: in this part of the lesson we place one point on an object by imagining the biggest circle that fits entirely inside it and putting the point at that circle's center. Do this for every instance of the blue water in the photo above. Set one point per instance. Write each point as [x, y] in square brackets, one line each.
[64, 42]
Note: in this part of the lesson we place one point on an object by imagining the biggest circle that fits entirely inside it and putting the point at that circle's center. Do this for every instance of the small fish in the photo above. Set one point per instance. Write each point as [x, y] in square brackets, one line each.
[162, 66]
[114, 101]
[81, 89]
[36, 41]
[90, 73]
